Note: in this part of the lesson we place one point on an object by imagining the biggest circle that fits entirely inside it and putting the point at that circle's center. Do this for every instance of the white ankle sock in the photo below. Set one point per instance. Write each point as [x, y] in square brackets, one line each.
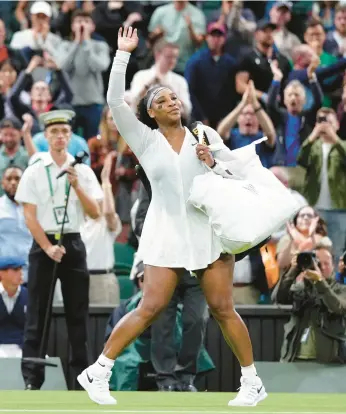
[103, 364]
[249, 372]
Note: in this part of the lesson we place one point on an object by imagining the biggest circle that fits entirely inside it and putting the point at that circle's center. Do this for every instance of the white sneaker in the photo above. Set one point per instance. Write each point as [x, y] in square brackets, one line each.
[96, 387]
[251, 392]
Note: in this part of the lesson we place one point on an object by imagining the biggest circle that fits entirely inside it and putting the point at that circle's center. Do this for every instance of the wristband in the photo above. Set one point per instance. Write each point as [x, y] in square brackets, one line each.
[258, 109]
[213, 165]
[264, 98]
[313, 78]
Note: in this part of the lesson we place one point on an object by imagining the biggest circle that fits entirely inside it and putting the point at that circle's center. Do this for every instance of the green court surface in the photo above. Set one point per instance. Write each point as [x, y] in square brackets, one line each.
[45, 402]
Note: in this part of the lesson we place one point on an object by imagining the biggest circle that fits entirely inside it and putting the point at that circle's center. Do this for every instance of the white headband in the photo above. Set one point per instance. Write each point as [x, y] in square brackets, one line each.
[153, 94]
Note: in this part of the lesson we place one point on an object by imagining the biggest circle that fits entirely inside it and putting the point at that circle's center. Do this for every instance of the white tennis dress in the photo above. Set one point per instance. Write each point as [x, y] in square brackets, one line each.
[175, 234]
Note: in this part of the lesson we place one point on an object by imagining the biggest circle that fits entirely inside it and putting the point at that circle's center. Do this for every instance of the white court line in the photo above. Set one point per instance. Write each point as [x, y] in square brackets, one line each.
[230, 411]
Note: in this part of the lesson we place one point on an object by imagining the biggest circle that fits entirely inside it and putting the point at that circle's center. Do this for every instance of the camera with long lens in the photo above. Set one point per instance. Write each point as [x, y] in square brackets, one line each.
[307, 260]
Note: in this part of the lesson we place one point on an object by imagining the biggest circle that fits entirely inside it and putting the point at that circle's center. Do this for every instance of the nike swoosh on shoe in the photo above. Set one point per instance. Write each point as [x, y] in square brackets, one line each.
[89, 379]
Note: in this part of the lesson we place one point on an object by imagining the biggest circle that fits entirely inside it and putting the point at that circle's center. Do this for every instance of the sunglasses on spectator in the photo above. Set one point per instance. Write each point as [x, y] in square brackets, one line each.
[307, 215]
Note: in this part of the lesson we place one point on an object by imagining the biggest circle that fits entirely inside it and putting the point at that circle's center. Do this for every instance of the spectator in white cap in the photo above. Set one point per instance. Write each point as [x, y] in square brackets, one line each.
[84, 60]
[39, 36]
[285, 41]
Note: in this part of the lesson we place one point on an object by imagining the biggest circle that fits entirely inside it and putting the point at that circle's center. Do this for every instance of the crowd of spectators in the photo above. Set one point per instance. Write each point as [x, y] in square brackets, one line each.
[226, 60]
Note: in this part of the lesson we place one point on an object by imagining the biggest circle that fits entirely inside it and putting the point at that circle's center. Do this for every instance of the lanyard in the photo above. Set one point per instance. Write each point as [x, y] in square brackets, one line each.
[67, 185]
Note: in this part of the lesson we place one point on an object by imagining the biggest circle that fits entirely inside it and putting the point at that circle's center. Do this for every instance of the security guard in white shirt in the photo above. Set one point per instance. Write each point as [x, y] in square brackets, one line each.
[43, 197]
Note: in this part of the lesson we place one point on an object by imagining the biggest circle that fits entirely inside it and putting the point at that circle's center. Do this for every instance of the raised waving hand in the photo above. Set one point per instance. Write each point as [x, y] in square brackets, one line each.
[127, 39]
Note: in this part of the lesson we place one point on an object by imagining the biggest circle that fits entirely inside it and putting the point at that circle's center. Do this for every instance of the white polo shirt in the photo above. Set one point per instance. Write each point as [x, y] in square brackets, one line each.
[99, 242]
[39, 186]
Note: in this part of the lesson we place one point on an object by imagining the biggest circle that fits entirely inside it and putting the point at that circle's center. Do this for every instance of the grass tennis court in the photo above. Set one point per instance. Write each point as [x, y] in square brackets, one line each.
[46, 402]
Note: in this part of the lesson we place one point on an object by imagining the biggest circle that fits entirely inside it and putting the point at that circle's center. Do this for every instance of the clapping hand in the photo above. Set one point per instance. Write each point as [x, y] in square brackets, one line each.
[315, 45]
[313, 226]
[314, 64]
[68, 6]
[188, 20]
[246, 95]
[107, 166]
[86, 30]
[133, 18]
[294, 233]
[88, 6]
[35, 61]
[77, 32]
[249, 96]
[41, 31]
[49, 62]
[45, 30]
[28, 123]
[278, 75]
[156, 34]
[252, 94]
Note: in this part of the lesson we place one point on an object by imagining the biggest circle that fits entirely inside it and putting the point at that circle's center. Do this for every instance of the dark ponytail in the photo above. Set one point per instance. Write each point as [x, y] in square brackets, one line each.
[142, 111]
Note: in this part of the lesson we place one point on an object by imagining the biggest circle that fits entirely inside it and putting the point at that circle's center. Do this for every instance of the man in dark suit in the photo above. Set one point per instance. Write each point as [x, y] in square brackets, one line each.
[13, 302]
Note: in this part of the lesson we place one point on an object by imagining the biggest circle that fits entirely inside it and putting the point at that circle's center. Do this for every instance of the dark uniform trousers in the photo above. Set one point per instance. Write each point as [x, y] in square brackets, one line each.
[176, 365]
[73, 274]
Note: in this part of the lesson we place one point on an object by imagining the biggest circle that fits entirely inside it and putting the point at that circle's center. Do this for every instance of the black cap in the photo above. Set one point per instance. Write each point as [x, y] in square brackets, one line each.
[10, 123]
[265, 24]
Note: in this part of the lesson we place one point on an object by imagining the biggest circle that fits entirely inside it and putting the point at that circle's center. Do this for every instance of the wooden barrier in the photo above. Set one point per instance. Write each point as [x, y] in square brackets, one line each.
[265, 324]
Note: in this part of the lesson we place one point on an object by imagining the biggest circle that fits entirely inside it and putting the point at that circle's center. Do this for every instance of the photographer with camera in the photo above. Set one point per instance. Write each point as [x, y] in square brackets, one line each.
[323, 156]
[306, 231]
[316, 329]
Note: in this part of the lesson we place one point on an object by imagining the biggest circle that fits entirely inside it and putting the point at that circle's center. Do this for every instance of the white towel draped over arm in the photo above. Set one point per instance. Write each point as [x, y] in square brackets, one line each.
[137, 135]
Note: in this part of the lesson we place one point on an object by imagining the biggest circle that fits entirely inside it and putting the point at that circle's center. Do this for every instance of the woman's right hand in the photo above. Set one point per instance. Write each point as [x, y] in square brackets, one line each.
[127, 39]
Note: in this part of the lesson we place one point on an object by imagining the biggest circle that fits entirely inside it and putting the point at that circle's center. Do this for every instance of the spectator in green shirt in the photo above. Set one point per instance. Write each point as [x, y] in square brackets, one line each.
[11, 150]
[315, 37]
[180, 23]
[323, 157]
